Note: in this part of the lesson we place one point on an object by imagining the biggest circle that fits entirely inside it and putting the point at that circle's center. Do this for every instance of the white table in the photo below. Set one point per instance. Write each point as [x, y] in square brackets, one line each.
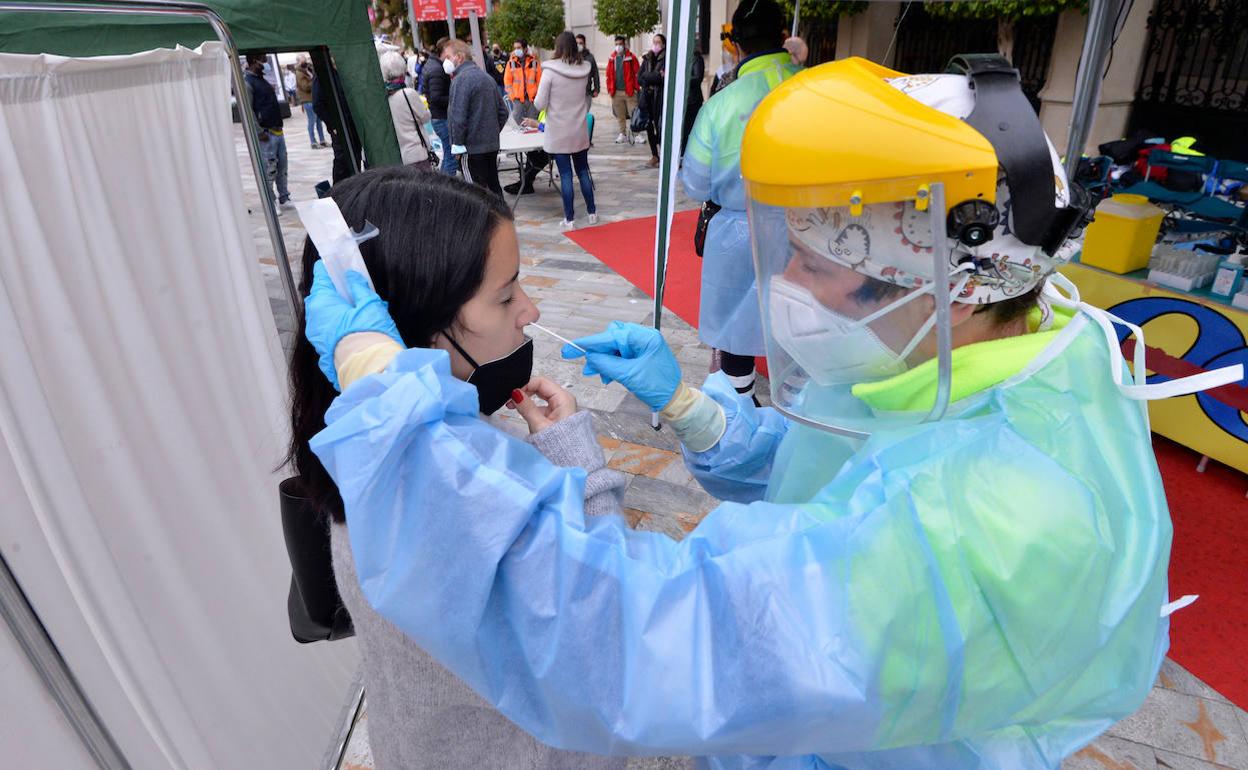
[515, 142]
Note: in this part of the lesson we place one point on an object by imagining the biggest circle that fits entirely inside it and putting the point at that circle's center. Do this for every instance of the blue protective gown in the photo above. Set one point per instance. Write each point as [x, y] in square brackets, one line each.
[979, 592]
[711, 170]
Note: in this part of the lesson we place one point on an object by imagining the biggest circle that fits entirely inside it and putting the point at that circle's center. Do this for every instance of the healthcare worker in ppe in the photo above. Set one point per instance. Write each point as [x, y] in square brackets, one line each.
[711, 172]
[946, 549]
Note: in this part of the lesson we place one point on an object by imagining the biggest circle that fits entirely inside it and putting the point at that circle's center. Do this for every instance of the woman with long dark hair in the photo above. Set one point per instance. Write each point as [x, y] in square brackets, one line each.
[447, 261]
[653, 69]
[561, 94]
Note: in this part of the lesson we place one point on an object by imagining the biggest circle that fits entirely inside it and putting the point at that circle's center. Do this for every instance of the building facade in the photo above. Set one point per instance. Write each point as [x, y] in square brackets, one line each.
[1177, 66]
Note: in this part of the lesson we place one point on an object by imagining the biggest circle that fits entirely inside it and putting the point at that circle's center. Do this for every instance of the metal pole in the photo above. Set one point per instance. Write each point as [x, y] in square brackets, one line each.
[33, 638]
[675, 89]
[450, 21]
[1088, 79]
[474, 27]
[356, 701]
[411, 18]
[797, 9]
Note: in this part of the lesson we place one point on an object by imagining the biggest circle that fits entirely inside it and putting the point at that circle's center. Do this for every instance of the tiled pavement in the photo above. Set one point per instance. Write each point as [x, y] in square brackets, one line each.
[1184, 724]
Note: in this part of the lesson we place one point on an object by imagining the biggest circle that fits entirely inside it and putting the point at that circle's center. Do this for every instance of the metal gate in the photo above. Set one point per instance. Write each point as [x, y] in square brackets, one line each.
[1195, 75]
[820, 37]
[926, 44]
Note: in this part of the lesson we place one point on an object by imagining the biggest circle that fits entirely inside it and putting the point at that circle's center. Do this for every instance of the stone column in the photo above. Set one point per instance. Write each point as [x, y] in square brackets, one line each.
[869, 33]
[1117, 91]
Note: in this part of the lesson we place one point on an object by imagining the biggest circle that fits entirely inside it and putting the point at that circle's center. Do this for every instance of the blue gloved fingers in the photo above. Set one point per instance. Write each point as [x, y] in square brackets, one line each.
[642, 338]
[320, 276]
[602, 342]
[570, 352]
[357, 286]
[636, 356]
[609, 367]
[615, 339]
[590, 371]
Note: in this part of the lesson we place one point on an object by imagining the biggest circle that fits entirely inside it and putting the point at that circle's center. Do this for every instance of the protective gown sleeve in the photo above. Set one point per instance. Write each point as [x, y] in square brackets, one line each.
[695, 170]
[739, 465]
[838, 625]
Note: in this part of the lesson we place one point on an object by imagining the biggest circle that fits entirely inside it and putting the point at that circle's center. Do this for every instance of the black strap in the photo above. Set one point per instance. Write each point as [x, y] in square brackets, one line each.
[461, 351]
[419, 131]
[1006, 119]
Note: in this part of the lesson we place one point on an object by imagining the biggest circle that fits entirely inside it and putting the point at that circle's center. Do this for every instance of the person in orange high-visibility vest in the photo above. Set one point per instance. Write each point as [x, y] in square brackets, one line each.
[523, 74]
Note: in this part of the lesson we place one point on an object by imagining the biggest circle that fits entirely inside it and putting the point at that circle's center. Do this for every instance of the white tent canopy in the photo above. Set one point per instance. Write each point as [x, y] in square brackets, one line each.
[142, 407]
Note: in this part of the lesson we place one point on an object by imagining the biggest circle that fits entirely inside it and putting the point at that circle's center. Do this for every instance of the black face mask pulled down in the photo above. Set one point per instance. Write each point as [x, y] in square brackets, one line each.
[496, 379]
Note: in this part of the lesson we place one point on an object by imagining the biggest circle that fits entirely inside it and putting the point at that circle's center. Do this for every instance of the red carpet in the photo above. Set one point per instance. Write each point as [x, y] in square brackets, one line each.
[628, 248]
[1210, 558]
[1210, 512]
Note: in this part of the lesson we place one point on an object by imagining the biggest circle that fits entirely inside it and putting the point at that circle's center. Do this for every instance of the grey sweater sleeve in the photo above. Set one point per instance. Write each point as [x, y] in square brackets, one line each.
[571, 443]
[501, 109]
[456, 114]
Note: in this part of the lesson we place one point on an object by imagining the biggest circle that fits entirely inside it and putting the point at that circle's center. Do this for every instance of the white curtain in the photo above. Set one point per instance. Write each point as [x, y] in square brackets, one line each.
[142, 412]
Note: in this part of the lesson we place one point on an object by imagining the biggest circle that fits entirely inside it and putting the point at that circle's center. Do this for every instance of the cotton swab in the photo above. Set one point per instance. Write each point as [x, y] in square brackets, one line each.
[565, 340]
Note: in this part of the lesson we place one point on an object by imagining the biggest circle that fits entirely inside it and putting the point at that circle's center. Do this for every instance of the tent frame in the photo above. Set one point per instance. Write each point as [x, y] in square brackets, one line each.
[15, 609]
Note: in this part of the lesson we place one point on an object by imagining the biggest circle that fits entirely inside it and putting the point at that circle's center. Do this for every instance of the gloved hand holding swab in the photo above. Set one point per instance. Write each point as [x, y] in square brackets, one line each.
[562, 339]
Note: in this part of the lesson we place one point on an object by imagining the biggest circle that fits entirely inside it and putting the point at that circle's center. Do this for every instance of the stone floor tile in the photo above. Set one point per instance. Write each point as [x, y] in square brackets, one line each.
[634, 428]
[1175, 677]
[666, 499]
[1187, 725]
[642, 460]
[358, 754]
[660, 763]
[695, 356]
[605, 399]
[678, 473]
[1109, 753]
[1168, 760]
[645, 521]
[544, 281]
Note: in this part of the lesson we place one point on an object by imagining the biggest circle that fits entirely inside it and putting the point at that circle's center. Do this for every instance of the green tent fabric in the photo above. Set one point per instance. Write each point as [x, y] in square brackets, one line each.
[257, 25]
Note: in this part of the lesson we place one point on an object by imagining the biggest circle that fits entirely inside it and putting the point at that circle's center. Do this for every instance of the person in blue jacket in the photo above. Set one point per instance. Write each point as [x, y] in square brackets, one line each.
[728, 317]
[946, 547]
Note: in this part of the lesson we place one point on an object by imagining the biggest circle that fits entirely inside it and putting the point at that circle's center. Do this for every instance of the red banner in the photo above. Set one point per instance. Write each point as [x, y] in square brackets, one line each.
[429, 10]
[461, 8]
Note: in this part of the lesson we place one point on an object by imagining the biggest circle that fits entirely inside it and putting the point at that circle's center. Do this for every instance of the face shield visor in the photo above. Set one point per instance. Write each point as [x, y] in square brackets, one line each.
[852, 298]
[866, 233]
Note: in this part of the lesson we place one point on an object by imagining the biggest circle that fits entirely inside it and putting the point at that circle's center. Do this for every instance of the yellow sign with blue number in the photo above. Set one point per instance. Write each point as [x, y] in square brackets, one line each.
[1184, 334]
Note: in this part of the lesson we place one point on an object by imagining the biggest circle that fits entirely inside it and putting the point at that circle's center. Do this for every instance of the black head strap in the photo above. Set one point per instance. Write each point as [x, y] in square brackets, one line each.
[462, 352]
[1006, 119]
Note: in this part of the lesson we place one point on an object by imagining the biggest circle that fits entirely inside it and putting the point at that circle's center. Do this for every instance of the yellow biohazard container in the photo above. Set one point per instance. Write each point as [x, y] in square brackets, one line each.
[1121, 237]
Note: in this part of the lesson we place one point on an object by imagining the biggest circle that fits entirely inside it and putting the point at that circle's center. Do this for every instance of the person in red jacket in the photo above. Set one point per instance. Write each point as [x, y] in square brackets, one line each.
[622, 84]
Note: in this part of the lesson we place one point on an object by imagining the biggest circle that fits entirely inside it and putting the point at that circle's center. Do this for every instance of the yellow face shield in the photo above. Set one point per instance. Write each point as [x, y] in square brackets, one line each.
[841, 135]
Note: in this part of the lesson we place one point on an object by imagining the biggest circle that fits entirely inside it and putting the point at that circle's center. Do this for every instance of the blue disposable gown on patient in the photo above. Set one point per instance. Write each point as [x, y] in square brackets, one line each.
[979, 592]
[728, 316]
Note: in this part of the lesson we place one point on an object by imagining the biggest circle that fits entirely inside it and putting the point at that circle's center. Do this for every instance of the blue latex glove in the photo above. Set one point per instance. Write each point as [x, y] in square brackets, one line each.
[637, 356]
[328, 317]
